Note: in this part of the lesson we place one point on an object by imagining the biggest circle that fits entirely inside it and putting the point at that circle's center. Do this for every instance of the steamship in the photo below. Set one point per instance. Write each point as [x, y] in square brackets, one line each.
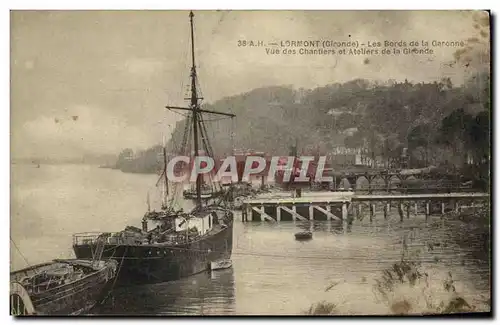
[171, 244]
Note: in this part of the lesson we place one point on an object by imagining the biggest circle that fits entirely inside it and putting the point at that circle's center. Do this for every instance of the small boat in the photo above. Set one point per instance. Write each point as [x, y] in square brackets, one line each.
[303, 235]
[221, 264]
[61, 287]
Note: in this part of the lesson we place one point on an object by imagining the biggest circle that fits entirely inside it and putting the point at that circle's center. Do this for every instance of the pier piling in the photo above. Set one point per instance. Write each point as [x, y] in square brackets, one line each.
[338, 206]
[344, 212]
[401, 213]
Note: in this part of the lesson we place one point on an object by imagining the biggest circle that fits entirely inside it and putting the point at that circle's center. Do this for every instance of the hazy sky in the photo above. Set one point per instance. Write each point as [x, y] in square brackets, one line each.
[117, 70]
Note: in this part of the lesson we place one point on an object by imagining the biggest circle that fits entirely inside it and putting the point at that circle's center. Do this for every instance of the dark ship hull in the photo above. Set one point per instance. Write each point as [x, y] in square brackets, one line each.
[154, 263]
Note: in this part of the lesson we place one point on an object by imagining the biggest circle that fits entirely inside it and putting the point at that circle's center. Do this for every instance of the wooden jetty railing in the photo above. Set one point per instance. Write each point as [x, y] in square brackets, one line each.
[423, 187]
[338, 205]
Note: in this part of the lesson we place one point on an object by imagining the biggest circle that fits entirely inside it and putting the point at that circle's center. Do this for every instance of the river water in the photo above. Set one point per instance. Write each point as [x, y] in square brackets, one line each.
[272, 274]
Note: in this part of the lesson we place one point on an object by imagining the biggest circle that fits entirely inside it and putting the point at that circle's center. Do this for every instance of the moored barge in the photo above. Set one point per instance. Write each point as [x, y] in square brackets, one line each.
[61, 287]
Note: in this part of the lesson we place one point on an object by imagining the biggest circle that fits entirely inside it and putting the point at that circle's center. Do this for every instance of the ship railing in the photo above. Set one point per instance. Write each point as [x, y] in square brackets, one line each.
[86, 238]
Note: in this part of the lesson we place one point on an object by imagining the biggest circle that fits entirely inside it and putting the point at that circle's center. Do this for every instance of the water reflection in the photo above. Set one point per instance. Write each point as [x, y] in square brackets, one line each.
[207, 293]
[334, 226]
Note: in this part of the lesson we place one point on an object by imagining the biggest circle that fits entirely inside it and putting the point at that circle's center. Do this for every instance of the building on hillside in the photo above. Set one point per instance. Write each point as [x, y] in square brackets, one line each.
[343, 156]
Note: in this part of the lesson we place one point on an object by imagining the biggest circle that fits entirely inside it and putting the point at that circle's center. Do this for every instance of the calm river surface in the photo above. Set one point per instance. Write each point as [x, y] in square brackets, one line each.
[272, 274]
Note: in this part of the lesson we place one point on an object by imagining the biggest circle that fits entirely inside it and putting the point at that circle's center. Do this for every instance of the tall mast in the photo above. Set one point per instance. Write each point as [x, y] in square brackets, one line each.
[194, 107]
[197, 111]
[165, 188]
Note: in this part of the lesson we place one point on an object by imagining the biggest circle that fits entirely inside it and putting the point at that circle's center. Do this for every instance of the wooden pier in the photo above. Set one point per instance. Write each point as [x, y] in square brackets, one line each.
[342, 206]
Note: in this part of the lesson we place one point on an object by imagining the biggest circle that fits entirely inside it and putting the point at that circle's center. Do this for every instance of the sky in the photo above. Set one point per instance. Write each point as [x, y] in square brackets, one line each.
[95, 82]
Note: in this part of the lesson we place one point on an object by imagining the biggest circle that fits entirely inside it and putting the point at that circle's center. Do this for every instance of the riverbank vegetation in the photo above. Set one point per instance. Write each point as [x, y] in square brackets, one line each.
[438, 123]
[409, 286]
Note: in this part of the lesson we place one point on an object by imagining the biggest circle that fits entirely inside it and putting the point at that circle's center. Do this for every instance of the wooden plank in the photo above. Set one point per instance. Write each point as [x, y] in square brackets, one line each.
[328, 213]
[341, 197]
[293, 213]
[296, 200]
[263, 215]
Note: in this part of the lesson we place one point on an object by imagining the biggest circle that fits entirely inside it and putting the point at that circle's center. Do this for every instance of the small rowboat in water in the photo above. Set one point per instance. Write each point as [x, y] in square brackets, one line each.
[61, 287]
[304, 235]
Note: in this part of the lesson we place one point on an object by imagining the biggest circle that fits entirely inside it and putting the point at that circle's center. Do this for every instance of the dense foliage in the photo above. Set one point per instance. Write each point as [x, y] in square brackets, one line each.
[438, 122]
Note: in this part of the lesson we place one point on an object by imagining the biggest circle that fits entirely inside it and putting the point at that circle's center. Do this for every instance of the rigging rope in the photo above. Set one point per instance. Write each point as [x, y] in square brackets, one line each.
[206, 142]
[182, 114]
[20, 253]
[185, 150]
[116, 275]
[232, 136]
[210, 153]
[186, 135]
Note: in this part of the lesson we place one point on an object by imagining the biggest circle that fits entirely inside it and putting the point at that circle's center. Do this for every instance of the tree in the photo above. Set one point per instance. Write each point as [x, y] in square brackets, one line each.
[392, 151]
[345, 121]
[479, 136]
[418, 142]
[454, 133]
[354, 141]
[124, 158]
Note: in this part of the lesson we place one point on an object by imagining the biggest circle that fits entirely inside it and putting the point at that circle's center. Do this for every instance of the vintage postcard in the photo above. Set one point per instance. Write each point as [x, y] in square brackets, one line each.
[250, 162]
